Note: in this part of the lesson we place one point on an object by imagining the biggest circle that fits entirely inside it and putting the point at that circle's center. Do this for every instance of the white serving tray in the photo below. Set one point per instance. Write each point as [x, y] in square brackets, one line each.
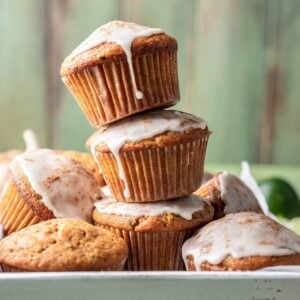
[262, 285]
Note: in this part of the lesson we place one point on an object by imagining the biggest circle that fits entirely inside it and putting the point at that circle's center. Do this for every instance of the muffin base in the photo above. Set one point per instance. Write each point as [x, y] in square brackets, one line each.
[156, 174]
[105, 92]
[6, 268]
[153, 251]
[14, 212]
[246, 264]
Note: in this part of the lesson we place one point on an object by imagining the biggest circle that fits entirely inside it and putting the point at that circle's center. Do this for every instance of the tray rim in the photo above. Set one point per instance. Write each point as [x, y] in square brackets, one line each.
[172, 275]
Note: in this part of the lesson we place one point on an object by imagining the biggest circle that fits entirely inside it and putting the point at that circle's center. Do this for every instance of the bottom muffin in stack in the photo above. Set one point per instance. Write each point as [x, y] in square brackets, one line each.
[155, 231]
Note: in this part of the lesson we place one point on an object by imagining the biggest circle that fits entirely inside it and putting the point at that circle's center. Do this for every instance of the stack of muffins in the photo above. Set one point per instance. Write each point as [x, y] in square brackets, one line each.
[139, 187]
[123, 76]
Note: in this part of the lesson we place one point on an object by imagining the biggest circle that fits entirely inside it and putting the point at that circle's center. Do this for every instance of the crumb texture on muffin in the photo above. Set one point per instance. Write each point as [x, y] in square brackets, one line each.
[228, 194]
[60, 184]
[172, 215]
[234, 242]
[63, 245]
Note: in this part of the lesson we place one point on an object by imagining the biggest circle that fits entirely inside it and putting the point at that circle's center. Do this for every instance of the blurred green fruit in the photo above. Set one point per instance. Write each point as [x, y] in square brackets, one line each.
[281, 197]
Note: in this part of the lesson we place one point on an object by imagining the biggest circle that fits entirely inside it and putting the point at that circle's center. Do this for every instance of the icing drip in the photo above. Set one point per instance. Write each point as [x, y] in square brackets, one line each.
[240, 235]
[65, 186]
[139, 127]
[123, 34]
[183, 207]
[249, 180]
[236, 196]
[30, 140]
[106, 192]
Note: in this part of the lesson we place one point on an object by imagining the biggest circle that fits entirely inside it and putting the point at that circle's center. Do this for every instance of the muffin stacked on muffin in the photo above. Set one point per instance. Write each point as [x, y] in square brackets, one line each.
[123, 76]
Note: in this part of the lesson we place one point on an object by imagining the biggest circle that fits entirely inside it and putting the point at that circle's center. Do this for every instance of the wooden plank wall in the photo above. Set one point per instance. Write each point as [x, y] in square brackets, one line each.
[238, 60]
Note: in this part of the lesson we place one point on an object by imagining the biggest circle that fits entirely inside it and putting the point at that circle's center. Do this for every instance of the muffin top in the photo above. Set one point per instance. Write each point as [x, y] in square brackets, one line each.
[236, 196]
[228, 194]
[87, 160]
[116, 40]
[239, 236]
[62, 245]
[60, 184]
[153, 128]
[177, 214]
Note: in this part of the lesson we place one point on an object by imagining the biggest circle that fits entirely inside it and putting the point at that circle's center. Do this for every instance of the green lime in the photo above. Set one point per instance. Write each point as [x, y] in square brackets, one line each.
[281, 197]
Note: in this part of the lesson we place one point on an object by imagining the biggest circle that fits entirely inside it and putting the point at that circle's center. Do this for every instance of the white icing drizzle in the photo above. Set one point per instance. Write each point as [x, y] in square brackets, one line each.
[249, 180]
[139, 127]
[106, 192]
[240, 235]
[236, 196]
[183, 207]
[65, 186]
[31, 140]
[123, 34]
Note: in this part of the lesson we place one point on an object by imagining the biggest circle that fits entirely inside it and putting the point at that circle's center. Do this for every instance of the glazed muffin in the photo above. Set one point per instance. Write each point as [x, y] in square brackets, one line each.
[242, 241]
[87, 160]
[156, 231]
[5, 160]
[62, 245]
[46, 185]
[228, 194]
[152, 156]
[122, 69]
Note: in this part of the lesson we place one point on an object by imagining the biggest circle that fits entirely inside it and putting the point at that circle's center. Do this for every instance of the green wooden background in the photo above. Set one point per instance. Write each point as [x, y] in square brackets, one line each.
[239, 64]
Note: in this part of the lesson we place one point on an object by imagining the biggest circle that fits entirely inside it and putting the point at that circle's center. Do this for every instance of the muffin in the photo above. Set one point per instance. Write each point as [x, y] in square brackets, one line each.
[242, 241]
[206, 176]
[153, 156]
[122, 69]
[62, 245]
[228, 194]
[87, 160]
[155, 231]
[46, 185]
[5, 160]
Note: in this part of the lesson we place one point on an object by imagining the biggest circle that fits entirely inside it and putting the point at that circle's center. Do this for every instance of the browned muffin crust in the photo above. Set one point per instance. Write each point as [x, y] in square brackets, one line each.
[168, 138]
[247, 263]
[28, 195]
[63, 245]
[162, 223]
[211, 191]
[109, 51]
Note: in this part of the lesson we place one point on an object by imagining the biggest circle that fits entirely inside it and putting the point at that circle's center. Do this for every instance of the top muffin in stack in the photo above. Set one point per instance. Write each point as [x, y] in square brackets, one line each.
[122, 76]
[122, 69]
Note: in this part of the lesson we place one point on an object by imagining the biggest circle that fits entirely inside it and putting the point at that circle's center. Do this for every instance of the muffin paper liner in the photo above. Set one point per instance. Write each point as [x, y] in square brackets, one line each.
[14, 212]
[153, 251]
[157, 173]
[105, 92]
